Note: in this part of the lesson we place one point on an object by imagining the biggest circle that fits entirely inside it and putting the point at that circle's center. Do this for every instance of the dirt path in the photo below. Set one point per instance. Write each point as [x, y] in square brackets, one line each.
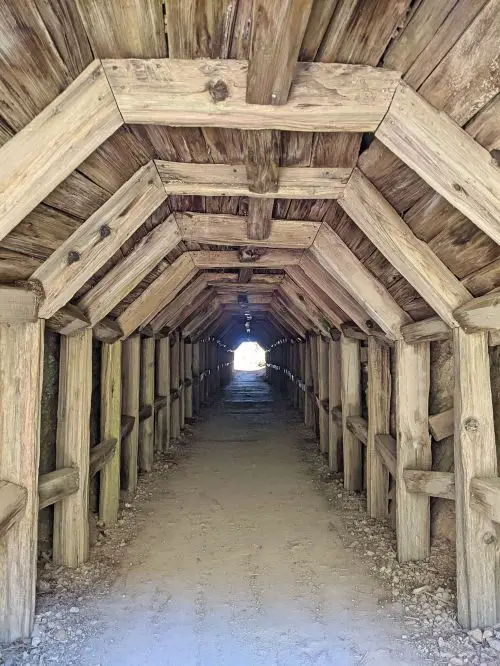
[240, 561]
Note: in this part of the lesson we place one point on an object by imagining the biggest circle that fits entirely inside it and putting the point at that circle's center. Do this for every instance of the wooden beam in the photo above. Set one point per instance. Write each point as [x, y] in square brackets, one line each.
[413, 258]
[68, 320]
[335, 257]
[445, 156]
[387, 449]
[359, 427]
[188, 379]
[259, 225]
[71, 523]
[189, 308]
[96, 240]
[480, 313]
[324, 416]
[175, 412]
[128, 273]
[231, 279]
[162, 366]
[13, 499]
[108, 330]
[300, 304]
[428, 330]
[131, 364]
[262, 160]
[245, 275]
[485, 497]
[232, 230]
[18, 304]
[475, 456]
[231, 180]
[195, 325]
[39, 157]
[21, 364]
[212, 93]
[334, 395]
[442, 425]
[435, 484]
[146, 398]
[158, 294]
[256, 258]
[351, 406]
[111, 397]
[55, 486]
[183, 300]
[100, 455]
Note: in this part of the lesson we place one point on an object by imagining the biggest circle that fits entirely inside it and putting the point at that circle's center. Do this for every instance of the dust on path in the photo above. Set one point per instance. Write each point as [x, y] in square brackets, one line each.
[240, 561]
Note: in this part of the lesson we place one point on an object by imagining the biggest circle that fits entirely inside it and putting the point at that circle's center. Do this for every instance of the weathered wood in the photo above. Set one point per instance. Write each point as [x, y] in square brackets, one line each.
[131, 373]
[96, 240]
[427, 330]
[309, 382]
[111, 394]
[253, 257]
[51, 146]
[146, 398]
[435, 484]
[475, 456]
[262, 161]
[351, 406]
[188, 379]
[107, 330]
[127, 425]
[387, 449]
[359, 427]
[231, 180]
[413, 448]
[445, 156]
[334, 395]
[485, 497]
[162, 366]
[212, 93]
[323, 383]
[54, 486]
[480, 313]
[196, 377]
[379, 413]
[190, 298]
[259, 225]
[68, 320]
[13, 499]
[442, 425]
[100, 455]
[175, 412]
[182, 370]
[127, 274]
[351, 331]
[413, 258]
[71, 524]
[18, 304]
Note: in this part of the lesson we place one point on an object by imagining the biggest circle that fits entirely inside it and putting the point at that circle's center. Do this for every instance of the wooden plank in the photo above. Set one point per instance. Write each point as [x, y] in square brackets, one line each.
[359, 427]
[485, 497]
[386, 447]
[146, 398]
[13, 499]
[309, 382]
[107, 330]
[212, 93]
[262, 160]
[413, 258]
[182, 369]
[54, 486]
[323, 383]
[128, 273]
[162, 366]
[304, 307]
[442, 425]
[434, 484]
[445, 156]
[68, 320]
[231, 180]
[351, 406]
[175, 412]
[475, 456]
[334, 394]
[127, 425]
[71, 523]
[95, 241]
[158, 294]
[480, 313]
[427, 330]
[254, 257]
[181, 305]
[51, 146]
[413, 448]
[196, 377]
[245, 275]
[336, 258]
[232, 230]
[259, 225]
[100, 455]
[131, 369]
[379, 417]
[18, 304]
[188, 379]
[21, 364]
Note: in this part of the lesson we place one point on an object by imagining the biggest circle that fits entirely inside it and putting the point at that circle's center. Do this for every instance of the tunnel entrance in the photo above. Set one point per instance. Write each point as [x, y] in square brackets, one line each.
[249, 356]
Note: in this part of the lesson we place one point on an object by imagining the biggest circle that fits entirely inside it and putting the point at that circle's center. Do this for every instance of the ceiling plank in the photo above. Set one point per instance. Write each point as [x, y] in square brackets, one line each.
[52, 145]
[307, 307]
[259, 257]
[188, 295]
[96, 240]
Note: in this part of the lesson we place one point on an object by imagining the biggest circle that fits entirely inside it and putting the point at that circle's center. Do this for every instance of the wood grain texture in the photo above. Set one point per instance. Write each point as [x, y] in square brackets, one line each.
[13, 500]
[335, 454]
[68, 320]
[434, 484]
[231, 259]
[351, 406]
[18, 304]
[54, 486]
[95, 241]
[131, 372]
[100, 455]
[174, 311]
[212, 93]
[175, 411]
[111, 392]
[162, 383]
[442, 425]
[387, 449]
[262, 160]
[485, 497]
[427, 330]
[54, 143]
[480, 313]
[259, 223]
[146, 398]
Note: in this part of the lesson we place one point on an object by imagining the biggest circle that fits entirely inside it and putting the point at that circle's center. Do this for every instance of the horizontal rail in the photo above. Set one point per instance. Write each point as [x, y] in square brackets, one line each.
[55, 486]
[359, 427]
[100, 454]
[435, 484]
[386, 447]
[127, 425]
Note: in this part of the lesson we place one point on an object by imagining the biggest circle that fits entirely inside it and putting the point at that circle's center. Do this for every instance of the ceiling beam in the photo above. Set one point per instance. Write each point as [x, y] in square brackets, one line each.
[168, 315]
[481, 313]
[196, 324]
[259, 258]
[212, 93]
[302, 304]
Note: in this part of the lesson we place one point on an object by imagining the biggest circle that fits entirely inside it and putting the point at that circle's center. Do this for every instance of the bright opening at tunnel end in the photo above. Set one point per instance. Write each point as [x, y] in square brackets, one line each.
[249, 356]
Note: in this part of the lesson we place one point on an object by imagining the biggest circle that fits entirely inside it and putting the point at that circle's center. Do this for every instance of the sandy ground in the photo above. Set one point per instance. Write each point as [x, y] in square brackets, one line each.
[240, 560]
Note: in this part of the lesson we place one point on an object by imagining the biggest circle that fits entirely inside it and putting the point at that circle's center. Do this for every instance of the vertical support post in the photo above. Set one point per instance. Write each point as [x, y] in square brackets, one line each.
[308, 379]
[162, 430]
[301, 375]
[314, 371]
[351, 406]
[21, 365]
[323, 393]
[71, 521]
[147, 398]
[182, 386]
[111, 397]
[175, 414]
[413, 448]
[379, 406]
[334, 395]
[131, 372]
[196, 378]
[475, 456]
[188, 379]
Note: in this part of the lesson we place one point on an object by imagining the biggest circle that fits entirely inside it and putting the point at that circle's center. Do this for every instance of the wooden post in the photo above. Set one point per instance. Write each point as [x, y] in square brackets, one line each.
[196, 378]
[323, 393]
[131, 372]
[188, 379]
[111, 396]
[175, 427]
[379, 406]
[301, 375]
[71, 522]
[182, 387]
[475, 456]
[413, 448]
[21, 365]
[335, 427]
[162, 430]
[146, 398]
[351, 406]
[314, 370]
[308, 379]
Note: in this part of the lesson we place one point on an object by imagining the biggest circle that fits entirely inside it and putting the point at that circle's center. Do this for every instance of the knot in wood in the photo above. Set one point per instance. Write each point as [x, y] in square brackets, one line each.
[457, 187]
[218, 91]
[73, 257]
[489, 538]
[104, 231]
[471, 424]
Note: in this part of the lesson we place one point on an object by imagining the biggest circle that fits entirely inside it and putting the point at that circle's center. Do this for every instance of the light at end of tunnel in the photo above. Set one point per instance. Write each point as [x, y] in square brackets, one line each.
[249, 356]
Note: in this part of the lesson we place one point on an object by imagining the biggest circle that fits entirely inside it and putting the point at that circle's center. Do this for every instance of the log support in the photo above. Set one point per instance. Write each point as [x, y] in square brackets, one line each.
[196, 377]
[162, 413]
[323, 381]
[188, 379]
[351, 406]
[131, 364]
[146, 399]
[175, 412]
[335, 456]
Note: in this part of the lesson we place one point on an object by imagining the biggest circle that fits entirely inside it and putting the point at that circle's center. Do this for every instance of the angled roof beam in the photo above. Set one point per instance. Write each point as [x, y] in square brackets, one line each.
[303, 304]
[255, 258]
[189, 306]
[287, 321]
[184, 298]
[196, 324]
[282, 300]
[98, 238]
[445, 156]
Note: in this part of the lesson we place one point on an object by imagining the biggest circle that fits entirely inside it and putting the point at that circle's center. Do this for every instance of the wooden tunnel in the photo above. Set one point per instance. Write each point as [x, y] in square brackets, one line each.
[321, 176]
